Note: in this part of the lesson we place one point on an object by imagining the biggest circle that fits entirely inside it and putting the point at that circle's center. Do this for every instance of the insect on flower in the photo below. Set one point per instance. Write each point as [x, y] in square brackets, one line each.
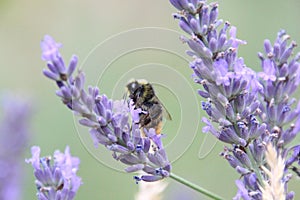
[142, 94]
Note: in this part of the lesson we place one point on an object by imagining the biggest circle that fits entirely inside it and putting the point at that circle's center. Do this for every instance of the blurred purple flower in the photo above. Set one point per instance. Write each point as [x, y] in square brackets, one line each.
[108, 120]
[57, 180]
[14, 135]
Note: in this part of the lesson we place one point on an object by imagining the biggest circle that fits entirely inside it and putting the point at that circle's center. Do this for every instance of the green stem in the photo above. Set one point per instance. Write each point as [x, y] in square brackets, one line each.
[195, 187]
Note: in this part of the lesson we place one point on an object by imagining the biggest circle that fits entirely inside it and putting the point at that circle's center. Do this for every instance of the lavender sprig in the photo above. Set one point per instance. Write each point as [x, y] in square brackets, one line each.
[14, 135]
[57, 180]
[112, 123]
[244, 120]
[280, 79]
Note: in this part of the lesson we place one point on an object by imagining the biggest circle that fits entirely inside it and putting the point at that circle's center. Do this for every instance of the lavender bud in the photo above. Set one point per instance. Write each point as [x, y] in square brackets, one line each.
[213, 14]
[88, 123]
[257, 150]
[51, 75]
[134, 168]
[232, 160]
[176, 4]
[148, 178]
[72, 65]
[242, 170]
[195, 25]
[242, 157]
[185, 26]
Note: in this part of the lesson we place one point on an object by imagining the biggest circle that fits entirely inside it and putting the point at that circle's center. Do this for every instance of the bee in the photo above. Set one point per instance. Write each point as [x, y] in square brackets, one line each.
[143, 96]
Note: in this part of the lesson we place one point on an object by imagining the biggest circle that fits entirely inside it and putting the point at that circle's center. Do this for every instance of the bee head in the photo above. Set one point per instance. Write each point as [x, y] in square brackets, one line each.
[139, 88]
[132, 86]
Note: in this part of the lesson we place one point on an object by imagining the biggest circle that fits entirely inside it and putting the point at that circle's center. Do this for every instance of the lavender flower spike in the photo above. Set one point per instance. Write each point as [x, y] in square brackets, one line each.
[14, 134]
[57, 179]
[229, 87]
[108, 120]
[277, 91]
[250, 109]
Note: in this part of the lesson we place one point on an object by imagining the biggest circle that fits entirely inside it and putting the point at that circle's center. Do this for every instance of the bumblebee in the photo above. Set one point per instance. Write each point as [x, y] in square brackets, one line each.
[143, 96]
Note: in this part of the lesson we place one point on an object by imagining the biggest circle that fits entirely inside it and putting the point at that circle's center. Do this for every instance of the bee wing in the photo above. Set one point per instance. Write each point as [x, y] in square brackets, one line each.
[166, 113]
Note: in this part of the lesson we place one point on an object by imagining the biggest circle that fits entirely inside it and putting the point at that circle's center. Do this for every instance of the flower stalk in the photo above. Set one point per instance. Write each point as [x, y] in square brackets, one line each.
[195, 187]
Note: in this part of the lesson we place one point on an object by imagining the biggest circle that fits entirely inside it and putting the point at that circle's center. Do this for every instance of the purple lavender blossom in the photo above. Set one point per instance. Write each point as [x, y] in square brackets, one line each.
[228, 84]
[14, 134]
[250, 109]
[57, 179]
[277, 107]
[112, 123]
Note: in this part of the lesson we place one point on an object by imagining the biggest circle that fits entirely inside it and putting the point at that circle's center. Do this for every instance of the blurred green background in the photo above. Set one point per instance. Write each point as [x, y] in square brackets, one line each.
[80, 26]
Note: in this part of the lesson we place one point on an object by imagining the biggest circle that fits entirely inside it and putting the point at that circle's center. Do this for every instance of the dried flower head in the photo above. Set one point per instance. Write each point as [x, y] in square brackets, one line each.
[273, 188]
[151, 191]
